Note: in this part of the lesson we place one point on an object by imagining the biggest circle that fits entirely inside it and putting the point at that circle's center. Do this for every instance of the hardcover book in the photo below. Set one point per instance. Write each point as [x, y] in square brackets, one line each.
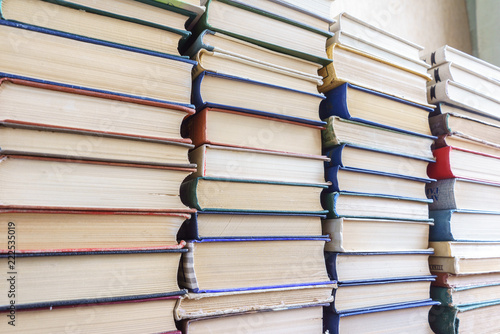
[219, 265]
[84, 277]
[454, 225]
[463, 296]
[357, 157]
[368, 106]
[376, 235]
[362, 69]
[121, 316]
[463, 249]
[458, 141]
[223, 224]
[446, 108]
[213, 90]
[97, 65]
[248, 196]
[447, 280]
[464, 266]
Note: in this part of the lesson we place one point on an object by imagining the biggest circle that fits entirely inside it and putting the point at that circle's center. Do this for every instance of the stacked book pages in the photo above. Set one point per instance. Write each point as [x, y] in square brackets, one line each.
[92, 97]
[255, 260]
[379, 142]
[466, 207]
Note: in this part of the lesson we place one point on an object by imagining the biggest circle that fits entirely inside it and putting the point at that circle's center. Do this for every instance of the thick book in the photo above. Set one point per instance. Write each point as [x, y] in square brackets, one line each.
[116, 315]
[30, 182]
[218, 265]
[371, 107]
[446, 108]
[345, 179]
[214, 90]
[287, 320]
[464, 194]
[98, 65]
[363, 205]
[82, 20]
[249, 164]
[462, 296]
[190, 6]
[66, 107]
[94, 275]
[342, 131]
[448, 54]
[377, 266]
[362, 69]
[361, 35]
[456, 94]
[452, 162]
[40, 230]
[225, 224]
[20, 138]
[459, 141]
[358, 157]
[478, 318]
[251, 24]
[254, 69]
[447, 280]
[236, 129]
[251, 195]
[464, 249]
[350, 297]
[406, 318]
[201, 305]
[376, 235]
[455, 225]
[464, 266]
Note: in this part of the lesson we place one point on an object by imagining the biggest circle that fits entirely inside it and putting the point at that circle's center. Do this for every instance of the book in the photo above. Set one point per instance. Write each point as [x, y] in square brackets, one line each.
[118, 316]
[375, 235]
[448, 54]
[219, 265]
[89, 230]
[351, 297]
[251, 24]
[105, 112]
[81, 20]
[463, 249]
[464, 76]
[454, 225]
[248, 195]
[50, 183]
[293, 320]
[455, 162]
[465, 319]
[201, 305]
[464, 97]
[460, 142]
[215, 90]
[377, 266]
[222, 224]
[238, 163]
[464, 266]
[363, 205]
[192, 6]
[357, 157]
[409, 318]
[462, 296]
[368, 106]
[254, 69]
[235, 129]
[464, 194]
[90, 276]
[317, 7]
[19, 138]
[361, 180]
[447, 280]
[361, 35]
[97, 65]
[220, 42]
[341, 131]
[364, 70]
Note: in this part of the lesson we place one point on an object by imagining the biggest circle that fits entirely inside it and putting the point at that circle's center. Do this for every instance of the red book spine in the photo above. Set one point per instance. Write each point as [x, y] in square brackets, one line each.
[441, 169]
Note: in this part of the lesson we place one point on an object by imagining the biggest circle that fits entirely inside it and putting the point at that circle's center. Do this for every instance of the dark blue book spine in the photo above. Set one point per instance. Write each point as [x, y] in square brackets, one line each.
[335, 103]
[441, 231]
[335, 155]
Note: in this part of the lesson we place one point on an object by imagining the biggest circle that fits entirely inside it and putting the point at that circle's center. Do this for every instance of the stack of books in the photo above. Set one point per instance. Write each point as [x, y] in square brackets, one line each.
[466, 196]
[255, 260]
[92, 159]
[379, 142]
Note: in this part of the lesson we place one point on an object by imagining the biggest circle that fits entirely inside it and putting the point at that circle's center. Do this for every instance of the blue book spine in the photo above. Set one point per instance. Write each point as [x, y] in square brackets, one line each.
[441, 231]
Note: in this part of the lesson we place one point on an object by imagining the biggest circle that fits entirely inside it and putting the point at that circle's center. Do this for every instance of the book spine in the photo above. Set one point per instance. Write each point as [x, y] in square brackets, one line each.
[196, 128]
[441, 169]
[331, 321]
[335, 155]
[441, 280]
[189, 229]
[196, 97]
[328, 202]
[444, 265]
[443, 320]
[199, 44]
[188, 192]
[438, 93]
[442, 193]
[437, 57]
[440, 73]
[441, 230]
[331, 176]
[328, 134]
[442, 295]
[335, 103]
[331, 265]
[186, 275]
[439, 125]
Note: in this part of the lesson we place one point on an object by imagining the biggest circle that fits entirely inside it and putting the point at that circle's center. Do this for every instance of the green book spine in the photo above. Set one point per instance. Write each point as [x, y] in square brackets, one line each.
[443, 320]
[188, 193]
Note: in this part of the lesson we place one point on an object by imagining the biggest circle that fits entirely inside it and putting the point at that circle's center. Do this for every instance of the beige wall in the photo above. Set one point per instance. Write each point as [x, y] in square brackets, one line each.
[429, 23]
